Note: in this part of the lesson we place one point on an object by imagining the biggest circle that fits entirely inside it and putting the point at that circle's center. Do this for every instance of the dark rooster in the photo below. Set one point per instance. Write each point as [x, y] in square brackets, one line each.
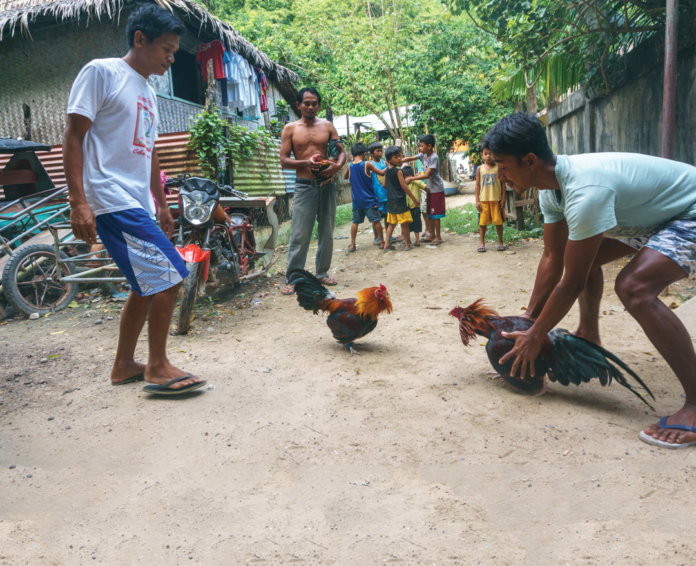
[349, 319]
[564, 357]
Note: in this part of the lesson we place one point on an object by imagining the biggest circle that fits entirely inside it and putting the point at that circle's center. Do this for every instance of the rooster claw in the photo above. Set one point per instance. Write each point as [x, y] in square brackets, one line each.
[352, 350]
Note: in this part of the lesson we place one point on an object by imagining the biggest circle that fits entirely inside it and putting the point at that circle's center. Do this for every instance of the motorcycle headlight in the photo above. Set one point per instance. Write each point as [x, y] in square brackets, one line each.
[196, 211]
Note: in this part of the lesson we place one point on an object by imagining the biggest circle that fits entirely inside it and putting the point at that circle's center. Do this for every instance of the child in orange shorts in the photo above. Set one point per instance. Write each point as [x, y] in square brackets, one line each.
[490, 199]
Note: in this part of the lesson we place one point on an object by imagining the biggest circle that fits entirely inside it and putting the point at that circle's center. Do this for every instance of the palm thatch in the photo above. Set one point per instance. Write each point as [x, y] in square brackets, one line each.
[17, 15]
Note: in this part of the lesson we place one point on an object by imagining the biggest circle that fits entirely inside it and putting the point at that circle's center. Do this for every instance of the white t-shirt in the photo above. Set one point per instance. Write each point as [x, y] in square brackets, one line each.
[118, 145]
[623, 195]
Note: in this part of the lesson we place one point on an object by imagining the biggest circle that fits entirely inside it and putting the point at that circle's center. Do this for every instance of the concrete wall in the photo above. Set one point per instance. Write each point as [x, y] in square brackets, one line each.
[630, 118]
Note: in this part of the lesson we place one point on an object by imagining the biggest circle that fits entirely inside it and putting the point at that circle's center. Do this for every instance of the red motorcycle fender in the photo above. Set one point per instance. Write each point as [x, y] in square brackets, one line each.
[194, 254]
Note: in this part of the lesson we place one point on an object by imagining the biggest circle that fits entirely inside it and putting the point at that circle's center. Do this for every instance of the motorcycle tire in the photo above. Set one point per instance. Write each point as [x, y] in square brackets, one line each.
[189, 290]
[24, 295]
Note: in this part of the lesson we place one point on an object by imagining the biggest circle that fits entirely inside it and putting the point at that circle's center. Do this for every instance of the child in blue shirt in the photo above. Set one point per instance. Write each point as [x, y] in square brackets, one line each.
[364, 200]
[376, 151]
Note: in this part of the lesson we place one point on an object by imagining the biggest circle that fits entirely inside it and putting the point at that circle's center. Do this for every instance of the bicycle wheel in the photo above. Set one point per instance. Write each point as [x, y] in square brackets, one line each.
[30, 284]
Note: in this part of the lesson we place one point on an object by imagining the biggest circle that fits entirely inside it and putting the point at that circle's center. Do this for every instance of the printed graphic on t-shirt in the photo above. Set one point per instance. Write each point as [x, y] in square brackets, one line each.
[143, 127]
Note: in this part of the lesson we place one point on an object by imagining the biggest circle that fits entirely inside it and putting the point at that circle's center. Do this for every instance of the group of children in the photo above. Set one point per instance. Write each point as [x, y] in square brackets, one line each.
[384, 190]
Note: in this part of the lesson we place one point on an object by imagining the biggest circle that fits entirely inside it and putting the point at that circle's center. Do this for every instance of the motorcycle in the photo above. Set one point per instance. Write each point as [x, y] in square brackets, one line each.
[205, 241]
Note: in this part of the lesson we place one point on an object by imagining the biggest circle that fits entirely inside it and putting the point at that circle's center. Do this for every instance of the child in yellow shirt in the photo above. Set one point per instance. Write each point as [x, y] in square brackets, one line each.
[490, 199]
[417, 188]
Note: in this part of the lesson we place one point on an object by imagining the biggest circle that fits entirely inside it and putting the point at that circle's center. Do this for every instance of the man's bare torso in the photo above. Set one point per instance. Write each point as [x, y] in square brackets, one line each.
[308, 140]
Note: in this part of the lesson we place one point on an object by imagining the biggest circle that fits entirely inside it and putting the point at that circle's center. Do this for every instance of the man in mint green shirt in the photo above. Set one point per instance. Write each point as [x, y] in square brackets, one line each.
[598, 208]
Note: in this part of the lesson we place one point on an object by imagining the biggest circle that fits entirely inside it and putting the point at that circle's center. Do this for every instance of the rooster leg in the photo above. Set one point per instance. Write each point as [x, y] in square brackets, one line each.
[543, 389]
[352, 350]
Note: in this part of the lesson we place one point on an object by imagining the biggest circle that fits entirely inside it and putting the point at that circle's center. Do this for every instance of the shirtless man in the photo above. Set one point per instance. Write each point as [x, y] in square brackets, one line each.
[314, 198]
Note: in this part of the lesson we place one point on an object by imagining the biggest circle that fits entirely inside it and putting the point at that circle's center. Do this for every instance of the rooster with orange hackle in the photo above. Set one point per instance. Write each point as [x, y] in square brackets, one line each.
[349, 319]
[564, 357]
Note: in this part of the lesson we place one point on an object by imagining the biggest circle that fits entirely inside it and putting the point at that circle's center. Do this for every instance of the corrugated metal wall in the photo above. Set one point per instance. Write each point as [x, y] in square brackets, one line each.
[261, 175]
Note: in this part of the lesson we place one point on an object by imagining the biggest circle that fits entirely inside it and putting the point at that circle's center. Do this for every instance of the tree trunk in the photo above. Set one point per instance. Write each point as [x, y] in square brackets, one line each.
[531, 101]
[519, 106]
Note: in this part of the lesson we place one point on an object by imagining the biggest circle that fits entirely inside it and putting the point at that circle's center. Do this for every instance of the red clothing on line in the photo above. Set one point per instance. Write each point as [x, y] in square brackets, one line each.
[213, 50]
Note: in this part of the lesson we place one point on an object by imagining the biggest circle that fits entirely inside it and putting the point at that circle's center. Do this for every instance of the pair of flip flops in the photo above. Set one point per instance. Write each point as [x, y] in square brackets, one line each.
[165, 389]
[671, 445]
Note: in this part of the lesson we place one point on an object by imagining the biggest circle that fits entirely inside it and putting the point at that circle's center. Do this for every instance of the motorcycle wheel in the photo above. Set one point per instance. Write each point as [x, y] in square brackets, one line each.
[30, 284]
[189, 289]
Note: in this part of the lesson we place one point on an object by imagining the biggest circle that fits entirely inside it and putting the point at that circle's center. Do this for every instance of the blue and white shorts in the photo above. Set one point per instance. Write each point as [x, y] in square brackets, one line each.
[147, 259]
[676, 240]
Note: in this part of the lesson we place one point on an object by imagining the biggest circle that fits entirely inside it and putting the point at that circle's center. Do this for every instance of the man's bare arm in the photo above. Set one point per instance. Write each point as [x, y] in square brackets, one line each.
[550, 268]
[578, 260]
[82, 220]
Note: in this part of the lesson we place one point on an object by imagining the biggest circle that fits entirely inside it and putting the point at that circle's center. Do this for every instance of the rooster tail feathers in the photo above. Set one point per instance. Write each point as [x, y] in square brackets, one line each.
[577, 360]
[311, 294]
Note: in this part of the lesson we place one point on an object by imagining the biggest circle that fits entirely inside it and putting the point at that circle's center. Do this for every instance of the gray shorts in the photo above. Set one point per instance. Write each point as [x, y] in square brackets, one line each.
[676, 240]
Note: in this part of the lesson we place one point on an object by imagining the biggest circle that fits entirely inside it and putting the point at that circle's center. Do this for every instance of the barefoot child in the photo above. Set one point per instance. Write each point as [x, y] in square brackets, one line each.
[397, 191]
[436, 188]
[420, 189]
[364, 199]
[490, 199]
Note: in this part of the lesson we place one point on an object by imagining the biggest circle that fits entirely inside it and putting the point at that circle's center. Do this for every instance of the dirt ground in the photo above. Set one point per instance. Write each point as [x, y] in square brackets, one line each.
[408, 454]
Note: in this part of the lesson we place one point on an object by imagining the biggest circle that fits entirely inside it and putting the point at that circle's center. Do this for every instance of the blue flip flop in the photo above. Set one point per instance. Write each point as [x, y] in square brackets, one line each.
[167, 390]
[137, 377]
[671, 445]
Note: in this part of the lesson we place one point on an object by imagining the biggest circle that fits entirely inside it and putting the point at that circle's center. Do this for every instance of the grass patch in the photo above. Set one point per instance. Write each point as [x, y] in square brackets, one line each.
[344, 215]
[464, 220]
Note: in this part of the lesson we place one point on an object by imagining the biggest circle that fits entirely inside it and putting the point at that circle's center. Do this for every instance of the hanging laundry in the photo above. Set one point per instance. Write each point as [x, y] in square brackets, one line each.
[214, 50]
[263, 84]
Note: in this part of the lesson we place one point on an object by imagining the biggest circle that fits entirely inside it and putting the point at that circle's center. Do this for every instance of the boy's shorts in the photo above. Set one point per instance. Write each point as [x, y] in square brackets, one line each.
[436, 205]
[676, 240]
[403, 218]
[417, 224]
[147, 259]
[373, 215]
[491, 213]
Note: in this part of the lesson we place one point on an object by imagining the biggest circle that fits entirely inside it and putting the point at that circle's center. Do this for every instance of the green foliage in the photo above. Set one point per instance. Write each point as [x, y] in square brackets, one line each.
[212, 146]
[464, 220]
[452, 84]
[582, 39]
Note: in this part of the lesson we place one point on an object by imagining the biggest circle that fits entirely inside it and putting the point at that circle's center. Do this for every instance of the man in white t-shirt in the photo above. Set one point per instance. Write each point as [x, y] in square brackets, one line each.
[598, 208]
[113, 175]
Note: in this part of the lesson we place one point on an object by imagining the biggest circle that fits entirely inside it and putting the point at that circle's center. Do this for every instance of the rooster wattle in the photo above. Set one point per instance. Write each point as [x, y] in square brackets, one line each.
[349, 319]
[565, 358]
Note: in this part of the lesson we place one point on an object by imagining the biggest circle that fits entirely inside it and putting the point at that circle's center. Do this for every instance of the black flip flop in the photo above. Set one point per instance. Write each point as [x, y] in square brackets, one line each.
[166, 390]
[137, 377]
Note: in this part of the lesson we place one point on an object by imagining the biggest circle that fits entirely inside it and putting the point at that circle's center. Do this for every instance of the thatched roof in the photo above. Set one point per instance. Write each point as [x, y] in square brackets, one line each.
[17, 15]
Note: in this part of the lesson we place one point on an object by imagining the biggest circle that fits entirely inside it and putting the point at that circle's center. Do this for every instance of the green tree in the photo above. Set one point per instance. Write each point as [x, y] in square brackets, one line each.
[452, 84]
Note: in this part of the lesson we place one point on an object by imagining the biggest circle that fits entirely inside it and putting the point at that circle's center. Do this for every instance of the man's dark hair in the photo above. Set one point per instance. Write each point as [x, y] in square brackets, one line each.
[407, 170]
[358, 149]
[373, 146]
[310, 90]
[391, 152]
[519, 134]
[428, 139]
[152, 21]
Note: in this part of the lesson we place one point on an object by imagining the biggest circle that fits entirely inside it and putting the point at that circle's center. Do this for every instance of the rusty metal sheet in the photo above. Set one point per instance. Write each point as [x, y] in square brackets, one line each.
[262, 174]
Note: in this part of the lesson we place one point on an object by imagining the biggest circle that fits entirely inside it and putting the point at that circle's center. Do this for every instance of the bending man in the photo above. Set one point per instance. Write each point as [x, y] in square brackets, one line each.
[599, 208]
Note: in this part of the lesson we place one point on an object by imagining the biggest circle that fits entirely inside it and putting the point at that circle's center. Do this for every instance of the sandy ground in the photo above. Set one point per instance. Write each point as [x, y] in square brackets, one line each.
[409, 454]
